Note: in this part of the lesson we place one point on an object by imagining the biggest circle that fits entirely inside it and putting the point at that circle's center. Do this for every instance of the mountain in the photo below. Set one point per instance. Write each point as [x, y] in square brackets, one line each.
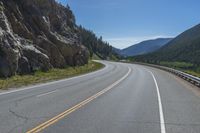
[40, 35]
[145, 47]
[184, 48]
[116, 50]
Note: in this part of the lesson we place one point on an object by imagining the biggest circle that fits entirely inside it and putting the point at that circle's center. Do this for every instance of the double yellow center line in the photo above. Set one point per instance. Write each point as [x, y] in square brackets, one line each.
[77, 106]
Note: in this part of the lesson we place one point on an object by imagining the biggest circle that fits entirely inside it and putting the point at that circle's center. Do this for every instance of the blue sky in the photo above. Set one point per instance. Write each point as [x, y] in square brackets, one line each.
[126, 22]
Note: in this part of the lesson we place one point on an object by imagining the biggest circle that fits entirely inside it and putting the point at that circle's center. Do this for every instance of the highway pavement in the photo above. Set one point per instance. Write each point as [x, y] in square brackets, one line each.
[120, 98]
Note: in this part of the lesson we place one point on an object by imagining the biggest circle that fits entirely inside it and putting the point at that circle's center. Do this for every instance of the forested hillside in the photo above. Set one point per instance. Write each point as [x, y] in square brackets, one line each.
[183, 53]
[183, 48]
[94, 44]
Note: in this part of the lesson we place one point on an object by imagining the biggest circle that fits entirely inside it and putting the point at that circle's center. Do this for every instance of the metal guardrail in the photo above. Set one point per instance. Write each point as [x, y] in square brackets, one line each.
[192, 79]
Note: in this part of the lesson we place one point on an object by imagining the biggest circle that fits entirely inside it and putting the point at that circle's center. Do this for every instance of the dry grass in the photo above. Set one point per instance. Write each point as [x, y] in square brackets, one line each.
[53, 74]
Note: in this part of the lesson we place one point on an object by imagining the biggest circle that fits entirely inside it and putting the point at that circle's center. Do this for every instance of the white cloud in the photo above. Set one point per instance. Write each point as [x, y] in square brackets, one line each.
[124, 42]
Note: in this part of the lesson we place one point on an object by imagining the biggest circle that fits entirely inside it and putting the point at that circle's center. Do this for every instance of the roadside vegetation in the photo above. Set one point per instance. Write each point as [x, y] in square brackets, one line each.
[53, 74]
[182, 53]
[180, 65]
[187, 67]
[183, 66]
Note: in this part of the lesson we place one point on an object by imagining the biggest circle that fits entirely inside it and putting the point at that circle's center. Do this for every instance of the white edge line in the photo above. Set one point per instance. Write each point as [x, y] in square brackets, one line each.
[52, 82]
[162, 120]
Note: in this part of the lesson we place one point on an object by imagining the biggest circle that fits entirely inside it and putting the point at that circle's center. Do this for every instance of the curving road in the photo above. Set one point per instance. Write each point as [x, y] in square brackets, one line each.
[120, 98]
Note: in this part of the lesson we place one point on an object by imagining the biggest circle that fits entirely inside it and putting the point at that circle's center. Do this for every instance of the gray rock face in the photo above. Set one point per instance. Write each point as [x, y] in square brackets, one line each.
[38, 35]
[56, 58]
[37, 60]
[9, 54]
[23, 66]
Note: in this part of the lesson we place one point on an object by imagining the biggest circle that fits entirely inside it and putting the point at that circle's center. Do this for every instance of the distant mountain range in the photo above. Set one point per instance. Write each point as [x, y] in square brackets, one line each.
[184, 48]
[143, 47]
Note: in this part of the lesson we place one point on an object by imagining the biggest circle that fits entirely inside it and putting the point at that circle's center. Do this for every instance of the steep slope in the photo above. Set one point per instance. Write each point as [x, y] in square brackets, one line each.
[183, 48]
[145, 47]
[38, 35]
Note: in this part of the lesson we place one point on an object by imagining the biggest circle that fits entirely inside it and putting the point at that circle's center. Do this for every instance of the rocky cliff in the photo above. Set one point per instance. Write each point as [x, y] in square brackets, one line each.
[38, 35]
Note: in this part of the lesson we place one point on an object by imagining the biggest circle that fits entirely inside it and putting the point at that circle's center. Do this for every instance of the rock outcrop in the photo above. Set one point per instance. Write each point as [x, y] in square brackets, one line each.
[38, 35]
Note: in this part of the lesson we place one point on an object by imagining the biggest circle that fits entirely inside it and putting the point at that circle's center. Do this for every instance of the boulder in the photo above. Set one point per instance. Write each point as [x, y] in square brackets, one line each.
[23, 66]
[56, 58]
[81, 57]
[37, 60]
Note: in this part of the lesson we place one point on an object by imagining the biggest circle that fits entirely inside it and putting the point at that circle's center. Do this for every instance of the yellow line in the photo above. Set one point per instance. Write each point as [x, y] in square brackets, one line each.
[74, 108]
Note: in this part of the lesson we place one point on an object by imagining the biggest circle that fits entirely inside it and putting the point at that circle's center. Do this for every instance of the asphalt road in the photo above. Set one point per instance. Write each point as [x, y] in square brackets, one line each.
[120, 98]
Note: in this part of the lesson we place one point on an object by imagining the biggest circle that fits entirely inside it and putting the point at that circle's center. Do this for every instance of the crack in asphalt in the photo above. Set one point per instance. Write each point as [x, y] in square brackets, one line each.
[24, 118]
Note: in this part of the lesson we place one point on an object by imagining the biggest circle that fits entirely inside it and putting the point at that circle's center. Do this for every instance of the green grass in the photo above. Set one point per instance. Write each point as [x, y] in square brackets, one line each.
[114, 58]
[195, 72]
[53, 74]
[95, 57]
[183, 66]
[192, 73]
